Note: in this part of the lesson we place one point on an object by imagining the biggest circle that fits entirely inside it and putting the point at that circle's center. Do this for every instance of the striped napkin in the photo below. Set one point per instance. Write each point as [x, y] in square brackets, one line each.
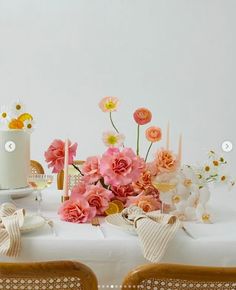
[154, 230]
[11, 221]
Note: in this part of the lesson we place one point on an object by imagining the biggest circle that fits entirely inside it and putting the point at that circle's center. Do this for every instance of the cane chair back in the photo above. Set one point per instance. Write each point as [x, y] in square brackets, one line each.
[180, 277]
[74, 175]
[59, 275]
[36, 167]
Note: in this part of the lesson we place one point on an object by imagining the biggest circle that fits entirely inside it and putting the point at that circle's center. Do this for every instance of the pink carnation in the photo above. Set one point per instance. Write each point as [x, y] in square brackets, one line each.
[91, 170]
[77, 211]
[122, 192]
[78, 190]
[121, 167]
[55, 155]
[98, 197]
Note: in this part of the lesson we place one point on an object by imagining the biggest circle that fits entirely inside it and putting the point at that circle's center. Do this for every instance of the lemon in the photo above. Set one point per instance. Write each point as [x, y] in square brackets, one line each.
[112, 209]
[119, 204]
[24, 117]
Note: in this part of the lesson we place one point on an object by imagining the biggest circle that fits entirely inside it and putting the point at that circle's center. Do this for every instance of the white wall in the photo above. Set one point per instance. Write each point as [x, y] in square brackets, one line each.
[175, 57]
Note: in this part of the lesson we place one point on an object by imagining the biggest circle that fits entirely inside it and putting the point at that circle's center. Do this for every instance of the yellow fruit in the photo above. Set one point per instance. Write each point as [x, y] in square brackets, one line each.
[112, 209]
[24, 117]
[164, 187]
[119, 204]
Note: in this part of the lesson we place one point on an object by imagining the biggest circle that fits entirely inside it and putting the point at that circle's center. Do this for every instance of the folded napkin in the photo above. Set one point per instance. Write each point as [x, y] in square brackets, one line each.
[11, 220]
[154, 229]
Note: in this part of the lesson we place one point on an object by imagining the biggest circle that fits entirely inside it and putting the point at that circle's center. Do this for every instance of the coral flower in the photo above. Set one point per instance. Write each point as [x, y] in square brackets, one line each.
[121, 167]
[146, 202]
[16, 124]
[77, 211]
[165, 162]
[153, 134]
[98, 197]
[142, 116]
[91, 169]
[55, 155]
[122, 192]
[109, 104]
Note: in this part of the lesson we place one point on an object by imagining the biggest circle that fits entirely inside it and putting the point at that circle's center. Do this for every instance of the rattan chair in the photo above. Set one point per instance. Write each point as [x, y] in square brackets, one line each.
[180, 277]
[74, 175]
[36, 167]
[47, 275]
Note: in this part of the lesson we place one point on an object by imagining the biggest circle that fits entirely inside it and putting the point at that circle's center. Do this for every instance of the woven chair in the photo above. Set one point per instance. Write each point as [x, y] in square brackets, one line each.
[47, 275]
[36, 167]
[74, 175]
[180, 277]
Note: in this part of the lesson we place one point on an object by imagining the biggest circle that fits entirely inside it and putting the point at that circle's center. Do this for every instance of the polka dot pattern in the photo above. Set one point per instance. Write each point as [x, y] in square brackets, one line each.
[41, 283]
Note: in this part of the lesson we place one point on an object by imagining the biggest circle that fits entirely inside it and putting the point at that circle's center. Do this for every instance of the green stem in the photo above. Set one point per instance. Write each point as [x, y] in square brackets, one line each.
[77, 168]
[137, 151]
[149, 148]
[113, 125]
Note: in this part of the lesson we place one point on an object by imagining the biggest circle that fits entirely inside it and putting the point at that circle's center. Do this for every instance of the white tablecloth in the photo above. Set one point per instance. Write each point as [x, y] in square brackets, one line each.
[112, 256]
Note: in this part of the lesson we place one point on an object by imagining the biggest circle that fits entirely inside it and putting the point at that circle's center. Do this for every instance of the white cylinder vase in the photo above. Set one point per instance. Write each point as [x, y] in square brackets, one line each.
[14, 159]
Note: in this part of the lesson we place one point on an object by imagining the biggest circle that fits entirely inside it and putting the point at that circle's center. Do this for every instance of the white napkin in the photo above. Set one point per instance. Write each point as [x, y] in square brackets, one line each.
[154, 230]
[11, 220]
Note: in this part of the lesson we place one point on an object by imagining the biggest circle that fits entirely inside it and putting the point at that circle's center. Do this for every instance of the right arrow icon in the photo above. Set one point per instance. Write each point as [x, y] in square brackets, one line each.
[227, 146]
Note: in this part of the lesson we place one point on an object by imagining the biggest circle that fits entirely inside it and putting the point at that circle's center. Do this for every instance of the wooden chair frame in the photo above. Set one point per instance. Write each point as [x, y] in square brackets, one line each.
[52, 269]
[182, 272]
[37, 166]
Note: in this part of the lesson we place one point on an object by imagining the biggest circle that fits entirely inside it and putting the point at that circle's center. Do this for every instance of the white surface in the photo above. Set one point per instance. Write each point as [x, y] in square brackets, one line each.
[112, 256]
[15, 164]
[175, 57]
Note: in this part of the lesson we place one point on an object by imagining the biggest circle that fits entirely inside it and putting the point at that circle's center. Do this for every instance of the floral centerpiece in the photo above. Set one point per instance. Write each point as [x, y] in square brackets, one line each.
[120, 177]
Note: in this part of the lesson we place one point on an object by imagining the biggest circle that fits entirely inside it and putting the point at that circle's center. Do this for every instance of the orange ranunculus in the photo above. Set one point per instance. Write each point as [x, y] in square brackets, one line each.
[16, 124]
[153, 134]
[142, 116]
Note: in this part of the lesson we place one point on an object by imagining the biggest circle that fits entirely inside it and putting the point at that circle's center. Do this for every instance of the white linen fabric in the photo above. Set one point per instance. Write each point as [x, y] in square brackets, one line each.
[155, 230]
[112, 256]
[11, 220]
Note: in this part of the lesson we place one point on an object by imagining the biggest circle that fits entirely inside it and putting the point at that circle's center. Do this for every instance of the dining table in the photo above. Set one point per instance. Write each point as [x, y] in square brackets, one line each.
[111, 252]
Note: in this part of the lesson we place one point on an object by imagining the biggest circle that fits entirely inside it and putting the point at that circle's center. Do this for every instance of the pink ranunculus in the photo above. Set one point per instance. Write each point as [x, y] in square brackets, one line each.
[77, 211]
[98, 197]
[146, 202]
[142, 116]
[122, 192]
[121, 167]
[91, 169]
[165, 161]
[153, 134]
[55, 155]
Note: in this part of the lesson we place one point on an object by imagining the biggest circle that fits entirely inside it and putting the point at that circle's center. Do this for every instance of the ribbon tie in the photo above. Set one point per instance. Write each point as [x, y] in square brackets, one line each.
[11, 220]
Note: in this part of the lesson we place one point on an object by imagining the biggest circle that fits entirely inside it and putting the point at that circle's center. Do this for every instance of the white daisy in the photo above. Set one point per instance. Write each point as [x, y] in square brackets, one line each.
[5, 115]
[29, 125]
[17, 108]
[203, 214]
[113, 139]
